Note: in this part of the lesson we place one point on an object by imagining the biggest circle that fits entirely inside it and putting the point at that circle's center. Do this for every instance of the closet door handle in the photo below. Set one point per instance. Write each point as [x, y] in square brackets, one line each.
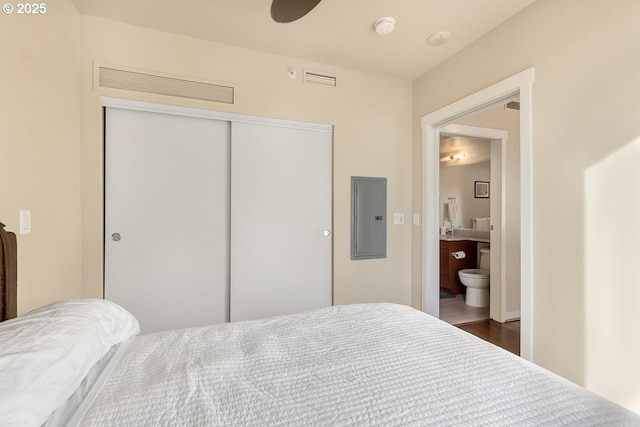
[116, 237]
[326, 233]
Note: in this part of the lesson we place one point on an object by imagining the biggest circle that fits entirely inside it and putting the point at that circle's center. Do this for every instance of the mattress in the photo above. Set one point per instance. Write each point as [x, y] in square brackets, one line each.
[362, 365]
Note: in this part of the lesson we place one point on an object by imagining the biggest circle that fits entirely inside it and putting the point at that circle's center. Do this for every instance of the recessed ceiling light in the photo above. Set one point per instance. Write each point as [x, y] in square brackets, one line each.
[384, 26]
[439, 38]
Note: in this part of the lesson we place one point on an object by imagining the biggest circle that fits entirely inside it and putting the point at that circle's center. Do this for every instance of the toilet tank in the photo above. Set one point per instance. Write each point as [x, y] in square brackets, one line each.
[485, 259]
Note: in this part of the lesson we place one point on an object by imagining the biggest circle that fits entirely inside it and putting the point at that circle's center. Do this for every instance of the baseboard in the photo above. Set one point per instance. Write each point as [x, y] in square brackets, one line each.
[512, 315]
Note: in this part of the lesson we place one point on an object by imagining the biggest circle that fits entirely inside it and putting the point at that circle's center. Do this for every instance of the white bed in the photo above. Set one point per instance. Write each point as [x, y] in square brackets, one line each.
[371, 364]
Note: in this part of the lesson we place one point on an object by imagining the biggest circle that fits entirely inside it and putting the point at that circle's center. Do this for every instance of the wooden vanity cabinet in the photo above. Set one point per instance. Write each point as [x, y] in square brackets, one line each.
[449, 266]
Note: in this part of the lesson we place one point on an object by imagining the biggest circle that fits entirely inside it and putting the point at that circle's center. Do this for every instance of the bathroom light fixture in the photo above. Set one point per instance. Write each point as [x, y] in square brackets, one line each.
[384, 26]
[456, 156]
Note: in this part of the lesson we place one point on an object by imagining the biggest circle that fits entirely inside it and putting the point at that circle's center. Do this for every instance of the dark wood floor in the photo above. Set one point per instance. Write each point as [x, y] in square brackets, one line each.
[505, 335]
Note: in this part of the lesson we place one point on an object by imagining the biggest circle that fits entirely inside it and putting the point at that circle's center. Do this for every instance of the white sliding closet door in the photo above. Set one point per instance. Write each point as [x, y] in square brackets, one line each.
[167, 218]
[281, 210]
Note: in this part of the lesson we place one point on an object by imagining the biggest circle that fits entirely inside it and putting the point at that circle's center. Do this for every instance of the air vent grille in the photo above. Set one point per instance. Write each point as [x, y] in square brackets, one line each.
[319, 78]
[160, 85]
[514, 105]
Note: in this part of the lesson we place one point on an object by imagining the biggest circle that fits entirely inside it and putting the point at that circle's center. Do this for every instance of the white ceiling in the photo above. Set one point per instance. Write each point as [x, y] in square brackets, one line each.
[336, 32]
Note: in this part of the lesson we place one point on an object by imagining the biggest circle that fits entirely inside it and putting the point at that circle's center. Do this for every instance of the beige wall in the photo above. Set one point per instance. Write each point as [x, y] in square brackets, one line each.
[52, 142]
[585, 108]
[371, 138]
[39, 150]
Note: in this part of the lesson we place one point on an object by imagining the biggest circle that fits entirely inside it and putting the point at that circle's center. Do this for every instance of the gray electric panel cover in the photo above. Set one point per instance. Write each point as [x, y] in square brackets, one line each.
[368, 217]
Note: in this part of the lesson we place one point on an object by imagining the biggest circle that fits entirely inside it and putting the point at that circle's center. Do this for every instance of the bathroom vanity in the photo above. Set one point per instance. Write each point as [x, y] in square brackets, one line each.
[449, 266]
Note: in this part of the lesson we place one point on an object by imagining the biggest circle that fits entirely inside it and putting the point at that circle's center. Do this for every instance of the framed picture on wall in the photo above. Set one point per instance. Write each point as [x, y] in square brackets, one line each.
[481, 189]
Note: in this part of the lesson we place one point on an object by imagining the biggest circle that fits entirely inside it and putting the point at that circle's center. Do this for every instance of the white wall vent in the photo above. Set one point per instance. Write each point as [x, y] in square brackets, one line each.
[137, 81]
[319, 78]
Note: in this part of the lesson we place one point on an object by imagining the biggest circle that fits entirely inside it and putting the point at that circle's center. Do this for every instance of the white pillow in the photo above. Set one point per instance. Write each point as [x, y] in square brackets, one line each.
[45, 354]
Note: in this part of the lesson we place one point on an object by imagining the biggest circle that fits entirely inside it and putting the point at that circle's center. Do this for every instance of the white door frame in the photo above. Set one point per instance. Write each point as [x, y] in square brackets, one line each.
[154, 107]
[519, 84]
[497, 309]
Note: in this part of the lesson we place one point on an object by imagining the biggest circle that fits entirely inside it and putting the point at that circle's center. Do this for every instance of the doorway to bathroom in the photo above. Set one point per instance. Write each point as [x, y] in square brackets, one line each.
[473, 177]
[517, 85]
[465, 160]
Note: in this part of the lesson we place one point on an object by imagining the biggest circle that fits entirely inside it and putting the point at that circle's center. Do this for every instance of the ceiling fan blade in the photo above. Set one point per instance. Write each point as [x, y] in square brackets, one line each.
[284, 11]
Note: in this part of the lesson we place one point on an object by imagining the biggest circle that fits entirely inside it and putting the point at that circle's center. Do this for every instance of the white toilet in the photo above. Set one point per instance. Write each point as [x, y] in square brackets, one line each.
[477, 281]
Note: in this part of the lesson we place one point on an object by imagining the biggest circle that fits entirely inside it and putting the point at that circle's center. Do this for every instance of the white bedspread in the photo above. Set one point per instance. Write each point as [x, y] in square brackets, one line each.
[377, 364]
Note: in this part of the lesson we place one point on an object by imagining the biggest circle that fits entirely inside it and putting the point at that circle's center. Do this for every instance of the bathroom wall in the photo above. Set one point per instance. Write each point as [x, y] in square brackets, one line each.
[458, 182]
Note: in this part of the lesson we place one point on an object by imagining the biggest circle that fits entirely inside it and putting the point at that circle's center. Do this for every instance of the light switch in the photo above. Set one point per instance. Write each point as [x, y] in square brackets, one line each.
[398, 219]
[25, 222]
[416, 218]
